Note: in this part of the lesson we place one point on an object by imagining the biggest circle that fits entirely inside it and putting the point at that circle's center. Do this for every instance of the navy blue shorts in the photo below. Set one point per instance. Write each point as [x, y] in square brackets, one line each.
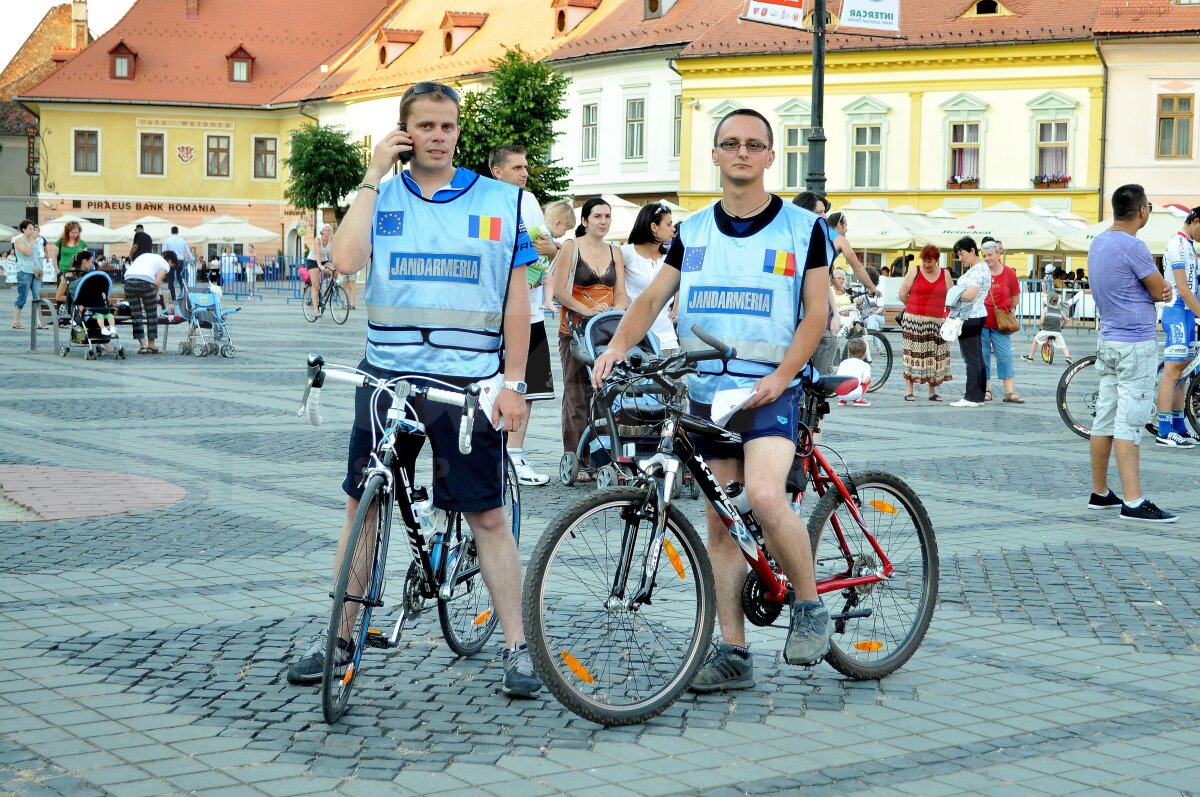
[461, 483]
[780, 418]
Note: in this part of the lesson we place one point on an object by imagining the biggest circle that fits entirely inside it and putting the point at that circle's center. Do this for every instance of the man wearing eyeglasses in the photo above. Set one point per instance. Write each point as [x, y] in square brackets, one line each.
[447, 303]
[1125, 286]
[754, 271]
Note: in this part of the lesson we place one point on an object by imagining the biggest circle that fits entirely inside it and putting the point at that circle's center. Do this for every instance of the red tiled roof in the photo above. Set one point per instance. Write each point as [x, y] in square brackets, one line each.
[627, 29]
[181, 57]
[1146, 16]
[924, 23]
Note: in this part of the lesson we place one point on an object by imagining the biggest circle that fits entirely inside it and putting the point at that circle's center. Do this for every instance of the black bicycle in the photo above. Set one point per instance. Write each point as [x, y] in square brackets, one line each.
[332, 297]
[879, 348]
[1079, 389]
[444, 567]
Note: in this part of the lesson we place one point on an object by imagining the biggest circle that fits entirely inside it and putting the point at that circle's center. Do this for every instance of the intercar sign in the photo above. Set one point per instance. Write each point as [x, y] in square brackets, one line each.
[871, 14]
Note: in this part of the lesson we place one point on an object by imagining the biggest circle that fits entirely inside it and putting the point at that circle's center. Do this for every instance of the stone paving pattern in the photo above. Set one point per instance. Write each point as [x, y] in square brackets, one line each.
[145, 651]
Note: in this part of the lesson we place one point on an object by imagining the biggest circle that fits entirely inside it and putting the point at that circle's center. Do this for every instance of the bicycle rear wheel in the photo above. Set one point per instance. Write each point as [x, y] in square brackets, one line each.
[339, 304]
[1078, 389]
[880, 350]
[603, 660]
[901, 606]
[306, 302]
[469, 618]
[357, 591]
[1191, 404]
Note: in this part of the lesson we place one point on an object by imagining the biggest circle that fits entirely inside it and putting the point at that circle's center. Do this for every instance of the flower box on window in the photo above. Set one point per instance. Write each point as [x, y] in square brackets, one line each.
[962, 181]
[1051, 180]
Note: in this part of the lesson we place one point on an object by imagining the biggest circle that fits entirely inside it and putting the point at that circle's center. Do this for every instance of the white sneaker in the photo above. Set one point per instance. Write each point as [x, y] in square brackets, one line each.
[962, 402]
[527, 476]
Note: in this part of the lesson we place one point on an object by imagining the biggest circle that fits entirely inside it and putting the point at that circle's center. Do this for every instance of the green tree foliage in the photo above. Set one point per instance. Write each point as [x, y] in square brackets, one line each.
[521, 107]
[324, 166]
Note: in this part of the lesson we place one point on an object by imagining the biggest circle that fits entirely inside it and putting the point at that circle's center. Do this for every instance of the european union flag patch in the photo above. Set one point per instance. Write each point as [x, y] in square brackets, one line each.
[389, 222]
[693, 258]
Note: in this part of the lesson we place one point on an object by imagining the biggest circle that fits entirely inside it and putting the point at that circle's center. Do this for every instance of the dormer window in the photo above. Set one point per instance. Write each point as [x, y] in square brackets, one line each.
[122, 61]
[569, 13]
[986, 8]
[241, 65]
[393, 42]
[457, 27]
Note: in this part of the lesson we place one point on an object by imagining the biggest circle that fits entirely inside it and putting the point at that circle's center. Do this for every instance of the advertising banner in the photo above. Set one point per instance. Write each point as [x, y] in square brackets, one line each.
[787, 13]
[871, 14]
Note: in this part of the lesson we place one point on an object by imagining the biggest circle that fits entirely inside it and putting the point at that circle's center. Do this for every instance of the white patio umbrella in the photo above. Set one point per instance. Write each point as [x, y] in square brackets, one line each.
[6, 232]
[230, 230]
[158, 229]
[915, 219]
[873, 227]
[91, 232]
[1162, 225]
[1007, 221]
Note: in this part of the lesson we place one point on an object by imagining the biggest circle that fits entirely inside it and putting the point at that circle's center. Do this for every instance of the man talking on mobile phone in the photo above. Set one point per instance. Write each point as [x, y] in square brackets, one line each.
[447, 301]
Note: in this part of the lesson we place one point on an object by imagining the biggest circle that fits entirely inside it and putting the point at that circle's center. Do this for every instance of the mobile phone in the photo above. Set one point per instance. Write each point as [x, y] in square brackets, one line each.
[405, 157]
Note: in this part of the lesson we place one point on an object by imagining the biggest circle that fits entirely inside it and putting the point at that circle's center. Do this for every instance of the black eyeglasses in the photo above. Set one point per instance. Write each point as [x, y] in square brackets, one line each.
[751, 146]
[429, 87]
[1149, 207]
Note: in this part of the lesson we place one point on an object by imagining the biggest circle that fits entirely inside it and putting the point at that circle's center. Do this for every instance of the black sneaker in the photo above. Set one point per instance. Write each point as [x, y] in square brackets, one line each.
[309, 668]
[1147, 513]
[519, 678]
[1174, 439]
[725, 668]
[1110, 501]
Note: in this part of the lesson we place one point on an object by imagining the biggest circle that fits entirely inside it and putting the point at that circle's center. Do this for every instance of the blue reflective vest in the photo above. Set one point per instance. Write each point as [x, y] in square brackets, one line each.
[439, 278]
[746, 291]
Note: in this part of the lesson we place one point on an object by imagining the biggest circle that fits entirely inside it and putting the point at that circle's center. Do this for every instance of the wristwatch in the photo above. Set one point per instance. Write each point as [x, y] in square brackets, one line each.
[516, 387]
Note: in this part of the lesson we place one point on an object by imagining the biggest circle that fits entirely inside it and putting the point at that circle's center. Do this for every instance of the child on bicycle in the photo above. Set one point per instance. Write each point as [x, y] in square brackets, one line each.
[855, 365]
[1050, 328]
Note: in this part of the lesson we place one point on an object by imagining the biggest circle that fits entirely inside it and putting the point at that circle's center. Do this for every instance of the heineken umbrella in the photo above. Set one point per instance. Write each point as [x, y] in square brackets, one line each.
[231, 230]
[7, 232]
[915, 219]
[624, 213]
[158, 229]
[1006, 221]
[1162, 225]
[90, 232]
[872, 227]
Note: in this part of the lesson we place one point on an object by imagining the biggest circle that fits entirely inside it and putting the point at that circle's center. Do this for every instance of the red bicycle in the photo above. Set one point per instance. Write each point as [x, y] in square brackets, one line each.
[619, 598]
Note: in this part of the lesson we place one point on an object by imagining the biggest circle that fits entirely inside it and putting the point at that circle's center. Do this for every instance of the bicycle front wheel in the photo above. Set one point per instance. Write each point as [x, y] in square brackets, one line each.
[1191, 404]
[357, 590]
[880, 349]
[339, 304]
[1078, 389]
[899, 608]
[468, 618]
[604, 659]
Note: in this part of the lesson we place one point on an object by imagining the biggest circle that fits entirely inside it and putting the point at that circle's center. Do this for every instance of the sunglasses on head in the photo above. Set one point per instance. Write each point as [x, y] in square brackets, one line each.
[429, 87]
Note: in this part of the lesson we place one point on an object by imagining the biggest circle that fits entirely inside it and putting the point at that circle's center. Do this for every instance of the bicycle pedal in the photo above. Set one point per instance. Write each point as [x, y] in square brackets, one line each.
[376, 638]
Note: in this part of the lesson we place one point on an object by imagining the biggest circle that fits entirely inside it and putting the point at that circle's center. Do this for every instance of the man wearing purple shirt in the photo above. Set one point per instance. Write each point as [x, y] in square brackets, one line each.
[1125, 285]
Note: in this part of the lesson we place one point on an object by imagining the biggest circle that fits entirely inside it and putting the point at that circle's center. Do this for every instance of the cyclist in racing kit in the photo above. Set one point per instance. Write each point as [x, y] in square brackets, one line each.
[753, 271]
[1179, 323]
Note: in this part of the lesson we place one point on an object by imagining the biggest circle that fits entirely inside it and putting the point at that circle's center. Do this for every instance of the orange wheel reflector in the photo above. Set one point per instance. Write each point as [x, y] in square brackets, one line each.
[374, 632]
[673, 556]
[483, 618]
[577, 667]
[883, 506]
[869, 645]
[349, 676]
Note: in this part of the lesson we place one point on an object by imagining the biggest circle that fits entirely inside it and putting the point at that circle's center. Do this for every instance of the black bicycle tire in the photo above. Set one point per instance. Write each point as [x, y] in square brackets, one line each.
[534, 620]
[339, 304]
[926, 537]
[1191, 403]
[310, 315]
[880, 376]
[1060, 395]
[453, 640]
[334, 708]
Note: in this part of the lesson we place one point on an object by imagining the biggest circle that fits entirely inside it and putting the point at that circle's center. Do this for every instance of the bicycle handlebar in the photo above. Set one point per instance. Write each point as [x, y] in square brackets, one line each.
[398, 388]
[721, 351]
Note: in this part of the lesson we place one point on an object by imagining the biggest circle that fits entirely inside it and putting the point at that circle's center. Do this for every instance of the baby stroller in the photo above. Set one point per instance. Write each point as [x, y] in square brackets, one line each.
[208, 330]
[87, 297]
[638, 413]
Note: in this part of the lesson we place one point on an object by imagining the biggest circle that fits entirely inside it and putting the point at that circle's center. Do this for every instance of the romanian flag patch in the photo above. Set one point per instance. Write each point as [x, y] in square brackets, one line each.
[782, 263]
[485, 227]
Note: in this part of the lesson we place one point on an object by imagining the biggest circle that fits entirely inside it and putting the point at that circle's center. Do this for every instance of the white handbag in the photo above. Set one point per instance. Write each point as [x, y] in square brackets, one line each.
[951, 329]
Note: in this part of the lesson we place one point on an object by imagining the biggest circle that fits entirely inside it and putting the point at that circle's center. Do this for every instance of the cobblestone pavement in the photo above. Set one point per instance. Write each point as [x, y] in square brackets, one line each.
[144, 652]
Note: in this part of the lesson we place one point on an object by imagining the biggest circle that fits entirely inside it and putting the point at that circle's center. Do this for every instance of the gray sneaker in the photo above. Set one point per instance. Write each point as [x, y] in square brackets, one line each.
[519, 678]
[808, 633]
[309, 668]
[725, 668]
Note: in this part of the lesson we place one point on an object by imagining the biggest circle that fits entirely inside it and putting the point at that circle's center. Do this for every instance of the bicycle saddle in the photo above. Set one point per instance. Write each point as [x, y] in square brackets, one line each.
[834, 385]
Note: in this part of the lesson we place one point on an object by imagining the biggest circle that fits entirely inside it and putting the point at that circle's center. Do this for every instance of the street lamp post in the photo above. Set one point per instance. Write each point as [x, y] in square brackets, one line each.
[815, 178]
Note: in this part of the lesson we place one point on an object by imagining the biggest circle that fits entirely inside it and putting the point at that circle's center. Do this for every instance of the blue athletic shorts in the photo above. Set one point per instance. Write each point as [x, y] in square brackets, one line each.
[1180, 325]
[461, 483]
[780, 418]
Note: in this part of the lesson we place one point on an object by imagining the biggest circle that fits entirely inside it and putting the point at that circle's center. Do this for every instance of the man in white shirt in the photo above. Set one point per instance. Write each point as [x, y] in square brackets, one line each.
[508, 164]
